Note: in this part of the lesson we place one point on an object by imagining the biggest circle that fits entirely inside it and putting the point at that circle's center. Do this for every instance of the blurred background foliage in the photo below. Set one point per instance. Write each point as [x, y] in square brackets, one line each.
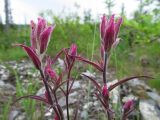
[138, 52]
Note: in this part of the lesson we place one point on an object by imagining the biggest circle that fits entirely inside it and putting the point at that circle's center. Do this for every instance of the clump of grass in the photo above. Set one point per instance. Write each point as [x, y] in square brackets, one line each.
[6, 110]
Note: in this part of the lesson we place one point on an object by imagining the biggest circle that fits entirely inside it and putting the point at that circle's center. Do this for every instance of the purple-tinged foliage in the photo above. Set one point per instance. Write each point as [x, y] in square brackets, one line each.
[40, 37]
[125, 80]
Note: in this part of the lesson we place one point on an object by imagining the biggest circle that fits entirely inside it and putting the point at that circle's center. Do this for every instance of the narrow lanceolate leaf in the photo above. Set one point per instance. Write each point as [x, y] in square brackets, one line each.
[94, 82]
[102, 102]
[32, 54]
[97, 66]
[45, 38]
[57, 56]
[125, 80]
[32, 97]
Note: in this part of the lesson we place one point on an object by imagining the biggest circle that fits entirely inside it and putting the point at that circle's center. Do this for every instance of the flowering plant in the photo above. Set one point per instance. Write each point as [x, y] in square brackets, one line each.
[40, 37]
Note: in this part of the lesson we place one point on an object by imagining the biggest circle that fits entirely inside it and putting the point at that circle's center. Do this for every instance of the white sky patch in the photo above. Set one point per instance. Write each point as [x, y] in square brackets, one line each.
[25, 10]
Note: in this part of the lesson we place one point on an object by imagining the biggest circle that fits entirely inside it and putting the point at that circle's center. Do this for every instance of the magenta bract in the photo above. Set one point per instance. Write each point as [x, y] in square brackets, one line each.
[32, 54]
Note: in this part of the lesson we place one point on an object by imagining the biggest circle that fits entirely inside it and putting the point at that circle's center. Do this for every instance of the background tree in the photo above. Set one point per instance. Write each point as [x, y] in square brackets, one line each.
[87, 16]
[122, 10]
[156, 10]
[109, 5]
[8, 14]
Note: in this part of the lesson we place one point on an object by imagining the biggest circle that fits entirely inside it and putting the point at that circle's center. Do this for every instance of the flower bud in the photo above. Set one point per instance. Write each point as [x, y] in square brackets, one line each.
[48, 69]
[73, 50]
[56, 117]
[105, 92]
[128, 105]
[51, 73]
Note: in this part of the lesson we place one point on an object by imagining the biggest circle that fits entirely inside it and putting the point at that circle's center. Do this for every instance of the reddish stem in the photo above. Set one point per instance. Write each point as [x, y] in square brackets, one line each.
[46, 87]
[67, 91]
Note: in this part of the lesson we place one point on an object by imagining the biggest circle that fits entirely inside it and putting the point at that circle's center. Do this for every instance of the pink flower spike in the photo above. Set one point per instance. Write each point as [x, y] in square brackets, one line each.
[109, 31]
[45, 38]
[105, 92]
[73, 50]
[32, 54]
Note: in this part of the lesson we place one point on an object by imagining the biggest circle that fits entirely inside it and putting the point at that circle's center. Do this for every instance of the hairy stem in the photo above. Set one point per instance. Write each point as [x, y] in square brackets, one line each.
[104, 69]
[105, 81]
[109, 116]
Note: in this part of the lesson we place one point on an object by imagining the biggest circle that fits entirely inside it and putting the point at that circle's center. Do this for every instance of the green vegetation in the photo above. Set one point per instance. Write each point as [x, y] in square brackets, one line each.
[6, 108]
[29, 105]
